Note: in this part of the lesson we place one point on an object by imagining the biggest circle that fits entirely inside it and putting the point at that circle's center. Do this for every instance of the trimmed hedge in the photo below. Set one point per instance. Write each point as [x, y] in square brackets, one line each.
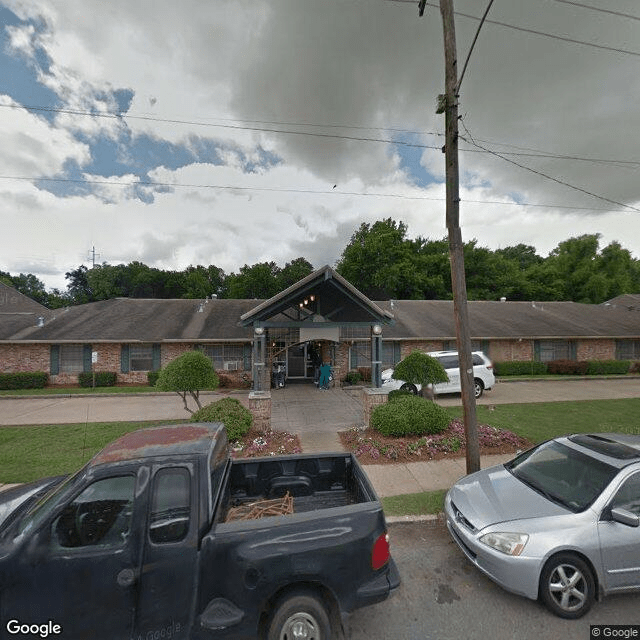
[152, 377]
[24, 380]
[102, 379]
[394, 394]
[236, 418]
[409, 415]
[567, 367]
[520, 368]
[608, 367]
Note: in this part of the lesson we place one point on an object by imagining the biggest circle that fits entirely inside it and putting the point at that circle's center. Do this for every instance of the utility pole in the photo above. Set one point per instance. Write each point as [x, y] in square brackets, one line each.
[448, 104]
[92, 256]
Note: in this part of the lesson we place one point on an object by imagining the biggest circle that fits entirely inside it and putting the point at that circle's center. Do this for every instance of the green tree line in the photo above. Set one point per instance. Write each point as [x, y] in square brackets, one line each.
[382, 262]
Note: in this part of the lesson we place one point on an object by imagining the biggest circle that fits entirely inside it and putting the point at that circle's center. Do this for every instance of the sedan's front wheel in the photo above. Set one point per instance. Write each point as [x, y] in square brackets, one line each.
[567, 586]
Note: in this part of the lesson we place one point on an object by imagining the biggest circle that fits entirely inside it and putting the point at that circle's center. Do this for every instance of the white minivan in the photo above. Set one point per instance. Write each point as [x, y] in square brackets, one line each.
[483, 377]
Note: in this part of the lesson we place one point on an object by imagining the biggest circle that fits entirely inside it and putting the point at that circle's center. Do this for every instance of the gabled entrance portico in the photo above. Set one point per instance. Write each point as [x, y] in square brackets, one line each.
[302, 327]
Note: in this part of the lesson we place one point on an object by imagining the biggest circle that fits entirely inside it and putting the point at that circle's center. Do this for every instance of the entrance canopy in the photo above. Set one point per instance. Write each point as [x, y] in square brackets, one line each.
[315, 309]
[323, 296]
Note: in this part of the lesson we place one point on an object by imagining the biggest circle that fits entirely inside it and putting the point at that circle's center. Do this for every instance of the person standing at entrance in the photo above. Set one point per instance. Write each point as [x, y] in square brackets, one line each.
[325, 371]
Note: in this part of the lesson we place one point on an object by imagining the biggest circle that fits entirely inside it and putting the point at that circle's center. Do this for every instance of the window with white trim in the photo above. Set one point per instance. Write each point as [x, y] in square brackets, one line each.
[226, 357]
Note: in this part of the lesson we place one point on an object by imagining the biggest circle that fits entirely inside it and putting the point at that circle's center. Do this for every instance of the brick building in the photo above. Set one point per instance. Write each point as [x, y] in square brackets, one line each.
[322, 317]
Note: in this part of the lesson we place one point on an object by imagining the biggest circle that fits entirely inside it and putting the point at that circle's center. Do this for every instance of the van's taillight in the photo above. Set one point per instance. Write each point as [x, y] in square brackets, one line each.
[380, 554]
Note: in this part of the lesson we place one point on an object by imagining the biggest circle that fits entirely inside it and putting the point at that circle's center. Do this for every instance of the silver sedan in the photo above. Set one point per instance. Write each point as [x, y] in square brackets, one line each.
[559, 523]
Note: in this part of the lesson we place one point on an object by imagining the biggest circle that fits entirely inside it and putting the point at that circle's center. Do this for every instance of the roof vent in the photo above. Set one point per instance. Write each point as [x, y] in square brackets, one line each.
[503, 299]
[41, 321]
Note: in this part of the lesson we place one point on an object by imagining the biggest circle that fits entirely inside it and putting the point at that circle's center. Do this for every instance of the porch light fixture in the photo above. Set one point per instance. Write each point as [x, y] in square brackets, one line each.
[258, 331]
[377, 329]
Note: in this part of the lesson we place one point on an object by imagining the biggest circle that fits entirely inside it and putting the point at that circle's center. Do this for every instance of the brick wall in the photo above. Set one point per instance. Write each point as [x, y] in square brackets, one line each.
[596, 349]
[15, 358]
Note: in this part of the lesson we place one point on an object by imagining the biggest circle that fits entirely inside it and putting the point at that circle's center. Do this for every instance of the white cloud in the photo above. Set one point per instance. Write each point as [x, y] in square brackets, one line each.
[348, 68]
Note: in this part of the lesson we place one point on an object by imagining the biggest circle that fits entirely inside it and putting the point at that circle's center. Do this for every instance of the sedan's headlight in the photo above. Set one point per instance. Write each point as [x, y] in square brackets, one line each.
[510, 543]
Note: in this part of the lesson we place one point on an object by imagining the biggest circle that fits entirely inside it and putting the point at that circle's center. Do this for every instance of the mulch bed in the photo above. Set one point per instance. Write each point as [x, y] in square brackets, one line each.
[371, 447]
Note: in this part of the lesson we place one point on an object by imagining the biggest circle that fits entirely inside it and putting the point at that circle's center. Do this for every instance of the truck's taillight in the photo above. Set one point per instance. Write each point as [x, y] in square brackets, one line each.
[380, 554]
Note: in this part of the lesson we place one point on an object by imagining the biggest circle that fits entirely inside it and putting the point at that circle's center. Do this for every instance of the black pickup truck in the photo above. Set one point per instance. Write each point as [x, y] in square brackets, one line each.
[163, 536]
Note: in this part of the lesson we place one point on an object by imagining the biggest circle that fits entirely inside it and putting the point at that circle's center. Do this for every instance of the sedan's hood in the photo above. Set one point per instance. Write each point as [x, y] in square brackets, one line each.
[15, 497]
[493, 495]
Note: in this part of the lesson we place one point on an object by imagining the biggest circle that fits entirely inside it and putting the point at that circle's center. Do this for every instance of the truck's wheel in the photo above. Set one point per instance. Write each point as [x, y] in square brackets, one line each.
[300, 616]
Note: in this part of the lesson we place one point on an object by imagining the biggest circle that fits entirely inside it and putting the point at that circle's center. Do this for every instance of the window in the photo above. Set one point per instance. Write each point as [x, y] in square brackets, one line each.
[628, 496]
[99, 517]
[627, 349]
[171, 505]
[360, 354]
[227, 357]
[549, 350]
[141, 357]
[71, 358]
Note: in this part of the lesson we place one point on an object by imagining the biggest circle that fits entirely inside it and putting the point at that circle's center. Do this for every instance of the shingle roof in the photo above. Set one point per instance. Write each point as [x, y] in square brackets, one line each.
[18, 313]
[487, 319]
[131, 320]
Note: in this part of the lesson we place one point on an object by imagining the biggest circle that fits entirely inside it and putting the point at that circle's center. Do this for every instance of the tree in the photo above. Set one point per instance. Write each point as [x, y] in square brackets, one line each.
[382, 263]
[189, 373]
[78, 288]
[420, 369]
[293, 272]
[259, 281]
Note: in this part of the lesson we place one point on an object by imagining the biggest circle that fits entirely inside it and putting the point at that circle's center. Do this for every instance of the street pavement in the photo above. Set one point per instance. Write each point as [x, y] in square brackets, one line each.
[316, 416]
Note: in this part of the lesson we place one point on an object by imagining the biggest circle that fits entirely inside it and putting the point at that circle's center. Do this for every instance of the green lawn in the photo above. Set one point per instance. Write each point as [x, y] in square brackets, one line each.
[32, 452]
[541, 421]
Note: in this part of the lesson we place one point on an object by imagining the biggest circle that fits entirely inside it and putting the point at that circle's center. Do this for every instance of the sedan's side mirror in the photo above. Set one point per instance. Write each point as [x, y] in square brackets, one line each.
[623, 516]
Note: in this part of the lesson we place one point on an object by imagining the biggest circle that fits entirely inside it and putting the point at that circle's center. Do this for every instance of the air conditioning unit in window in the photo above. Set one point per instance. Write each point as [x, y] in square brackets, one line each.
[230, 366]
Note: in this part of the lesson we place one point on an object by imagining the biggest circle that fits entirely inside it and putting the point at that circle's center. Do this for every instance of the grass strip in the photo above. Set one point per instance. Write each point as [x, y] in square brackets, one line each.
[414, 504]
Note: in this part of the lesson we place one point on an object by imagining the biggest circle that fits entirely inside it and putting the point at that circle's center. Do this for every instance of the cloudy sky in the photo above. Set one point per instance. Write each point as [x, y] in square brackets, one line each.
[239, 131]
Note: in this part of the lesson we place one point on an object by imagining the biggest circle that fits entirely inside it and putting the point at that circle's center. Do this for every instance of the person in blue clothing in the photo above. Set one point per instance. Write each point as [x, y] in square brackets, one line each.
[323, 381]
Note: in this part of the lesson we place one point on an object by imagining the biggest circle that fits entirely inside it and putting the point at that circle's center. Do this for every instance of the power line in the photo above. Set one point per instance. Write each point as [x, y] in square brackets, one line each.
[534, 31]
[332, 192]
[587, 6]
[545, 175]
[404, 143]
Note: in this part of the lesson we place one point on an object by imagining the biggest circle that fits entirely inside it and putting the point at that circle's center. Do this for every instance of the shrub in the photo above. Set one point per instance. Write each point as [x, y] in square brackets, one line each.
[365, 373]
[635, 367]
[567, 367]
[409, 415]
[608, 367]
[236, 418]
[102, 379]
[394, 394]
[24, 380]
[224, 381]
[353, 377]
[152, 377]
[420, 369]
[520, 368]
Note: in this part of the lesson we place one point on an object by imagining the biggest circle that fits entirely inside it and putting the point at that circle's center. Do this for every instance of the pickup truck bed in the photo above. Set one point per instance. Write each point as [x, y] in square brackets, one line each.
[315, 483]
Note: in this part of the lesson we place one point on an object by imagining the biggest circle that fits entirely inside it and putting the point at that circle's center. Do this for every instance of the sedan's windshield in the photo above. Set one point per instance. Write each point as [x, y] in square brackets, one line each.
[562, 474]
